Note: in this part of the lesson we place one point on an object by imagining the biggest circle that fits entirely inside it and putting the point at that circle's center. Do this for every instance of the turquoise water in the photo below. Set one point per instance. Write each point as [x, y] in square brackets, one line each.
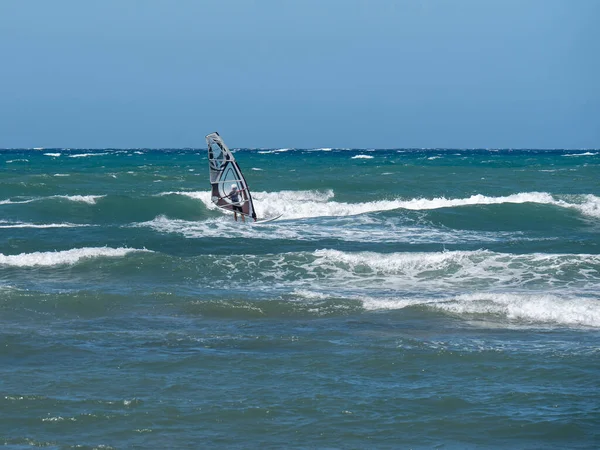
[405, 299]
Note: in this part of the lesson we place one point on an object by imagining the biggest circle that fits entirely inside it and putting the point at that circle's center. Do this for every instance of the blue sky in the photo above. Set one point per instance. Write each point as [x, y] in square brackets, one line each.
[310, 73]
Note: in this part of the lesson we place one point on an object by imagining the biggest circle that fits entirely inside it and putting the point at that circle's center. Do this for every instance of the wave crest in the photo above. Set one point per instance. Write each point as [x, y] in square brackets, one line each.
[64, 257]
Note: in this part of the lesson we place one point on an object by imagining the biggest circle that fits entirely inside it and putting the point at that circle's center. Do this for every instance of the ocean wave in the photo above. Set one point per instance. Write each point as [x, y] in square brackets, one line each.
[582, 154]
[484, 308]
[89, 199]
[85, 155]
[64, 257]
[356, 230]
[309, 204]
[362, 157]
[7, 224]
[280, 204]
[266, 203]
[465, 266]
[588, 204]
[538, 308]
[439, 273]
[320, 204]
[279, 150]
[13, 202]
[306, 204]
[435, 273]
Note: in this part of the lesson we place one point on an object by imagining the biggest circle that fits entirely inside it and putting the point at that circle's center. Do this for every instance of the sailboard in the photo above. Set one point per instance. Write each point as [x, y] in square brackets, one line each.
[225, 175]
[268, 219]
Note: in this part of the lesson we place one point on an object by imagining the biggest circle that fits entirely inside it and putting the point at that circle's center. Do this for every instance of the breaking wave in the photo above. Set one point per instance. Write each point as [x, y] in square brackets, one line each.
[64, 257]
[7, 224]
[89, 199]
[307, 204]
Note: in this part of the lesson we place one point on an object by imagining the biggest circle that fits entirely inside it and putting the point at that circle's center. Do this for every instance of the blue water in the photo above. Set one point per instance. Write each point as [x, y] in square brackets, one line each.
[405, 299]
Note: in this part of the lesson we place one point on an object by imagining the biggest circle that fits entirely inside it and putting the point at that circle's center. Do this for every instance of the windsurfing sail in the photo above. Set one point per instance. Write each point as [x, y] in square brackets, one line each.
[225, 174]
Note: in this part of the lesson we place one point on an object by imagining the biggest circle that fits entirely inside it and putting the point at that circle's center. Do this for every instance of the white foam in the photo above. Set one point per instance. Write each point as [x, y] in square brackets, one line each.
[11, 202]
[89, 199]
[361, 229]
[447, 271]
[499, 284]
[311, 295]
[5, 224]
[55, 155]
[436, 277]
[85, 155]
[17, 160]
[362, 157]
[582, 154]
[312, 204]
[280, 150]
[64, 257]
[281, 204]
[505, 289]
[587, 204]
[478, 199]
[224, 227]
[268, 204]
[528, 307]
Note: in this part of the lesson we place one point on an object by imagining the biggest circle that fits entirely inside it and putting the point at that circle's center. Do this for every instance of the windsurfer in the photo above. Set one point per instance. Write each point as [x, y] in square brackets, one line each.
[234, 195]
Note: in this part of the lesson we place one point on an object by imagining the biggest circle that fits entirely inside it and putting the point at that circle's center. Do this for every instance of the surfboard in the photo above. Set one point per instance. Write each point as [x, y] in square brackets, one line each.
[268, 219]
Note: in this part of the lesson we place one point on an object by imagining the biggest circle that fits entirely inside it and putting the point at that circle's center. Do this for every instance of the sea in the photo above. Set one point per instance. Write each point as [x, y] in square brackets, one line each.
[405, 299]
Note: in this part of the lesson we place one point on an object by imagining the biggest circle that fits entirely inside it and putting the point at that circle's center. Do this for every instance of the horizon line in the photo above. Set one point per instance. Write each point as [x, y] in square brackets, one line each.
[309, 148]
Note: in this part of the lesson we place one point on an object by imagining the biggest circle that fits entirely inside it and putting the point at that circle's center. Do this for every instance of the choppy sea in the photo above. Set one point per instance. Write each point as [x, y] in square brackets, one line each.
[406, 298]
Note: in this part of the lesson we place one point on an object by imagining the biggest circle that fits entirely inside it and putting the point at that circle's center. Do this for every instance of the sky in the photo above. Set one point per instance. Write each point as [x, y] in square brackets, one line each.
[303, 73]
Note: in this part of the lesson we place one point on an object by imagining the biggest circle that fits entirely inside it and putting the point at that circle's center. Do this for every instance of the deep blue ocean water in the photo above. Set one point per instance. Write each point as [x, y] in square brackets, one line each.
[405, 299]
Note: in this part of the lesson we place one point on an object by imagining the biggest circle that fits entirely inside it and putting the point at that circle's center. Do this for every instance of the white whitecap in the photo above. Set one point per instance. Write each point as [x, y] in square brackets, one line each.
[6, 224]
[64, 257]
[280, 150]
[89, 199]
[582, 154]
[85, 155]
[538, 307]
